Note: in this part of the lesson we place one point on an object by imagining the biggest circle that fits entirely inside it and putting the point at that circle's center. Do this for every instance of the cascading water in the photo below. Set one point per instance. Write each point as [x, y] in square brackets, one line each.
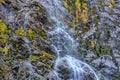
[64, 46]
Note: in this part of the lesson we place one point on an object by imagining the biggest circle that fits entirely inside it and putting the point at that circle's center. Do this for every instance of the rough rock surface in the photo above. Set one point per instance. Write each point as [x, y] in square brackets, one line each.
[25, 50]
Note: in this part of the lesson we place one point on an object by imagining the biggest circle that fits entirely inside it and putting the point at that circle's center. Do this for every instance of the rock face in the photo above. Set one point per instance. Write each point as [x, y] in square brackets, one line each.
[99, 44]
[25, 49]
[25, 52]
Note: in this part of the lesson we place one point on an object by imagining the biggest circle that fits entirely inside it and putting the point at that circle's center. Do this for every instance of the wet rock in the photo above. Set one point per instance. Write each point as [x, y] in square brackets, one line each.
[116, 33]
[106, 15]
[116, 53]
[63, 70]
[118, 60]
[106, 65]
[90, 56]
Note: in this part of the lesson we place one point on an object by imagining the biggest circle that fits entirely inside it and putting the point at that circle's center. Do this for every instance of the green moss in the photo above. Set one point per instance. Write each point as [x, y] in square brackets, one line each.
[31, 34]
[42, 34]
[87, 44]
[34, 45]
[73, 23]
[85, 28]
[9, 31]
[34, 57]
[103, 50]
[79, 9]
[35, 15]
[45, 54]
[5, 51]
[4, 40]
[112, 1]
[4, 33]
[20, 31]
[39, 8]
[46, 57]
[107, 33]
[3, 28]
[65, 4]
[98, 3]
[96, 20]
[101, 3]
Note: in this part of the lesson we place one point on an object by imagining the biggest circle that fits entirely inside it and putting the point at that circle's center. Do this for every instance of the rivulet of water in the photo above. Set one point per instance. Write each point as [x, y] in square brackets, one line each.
[65, 46]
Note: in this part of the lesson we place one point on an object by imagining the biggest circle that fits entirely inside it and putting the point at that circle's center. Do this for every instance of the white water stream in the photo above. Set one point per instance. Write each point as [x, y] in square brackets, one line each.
[64, 45]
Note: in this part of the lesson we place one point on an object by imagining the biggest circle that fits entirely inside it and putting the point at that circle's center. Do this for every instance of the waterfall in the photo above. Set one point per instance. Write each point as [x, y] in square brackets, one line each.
[59, 39]
[65, 46]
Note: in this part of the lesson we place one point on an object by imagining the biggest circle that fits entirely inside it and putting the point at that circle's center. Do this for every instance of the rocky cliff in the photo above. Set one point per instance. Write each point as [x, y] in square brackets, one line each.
[25, 47]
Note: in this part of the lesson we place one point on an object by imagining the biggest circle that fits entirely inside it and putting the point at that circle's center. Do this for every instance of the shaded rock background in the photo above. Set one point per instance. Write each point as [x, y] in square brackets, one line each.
[25, 46]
